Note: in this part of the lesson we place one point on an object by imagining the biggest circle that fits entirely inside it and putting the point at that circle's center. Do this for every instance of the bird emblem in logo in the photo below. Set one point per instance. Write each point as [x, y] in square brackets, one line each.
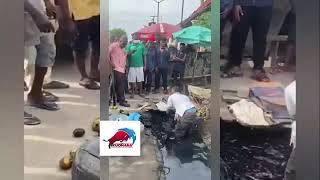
[120, 138]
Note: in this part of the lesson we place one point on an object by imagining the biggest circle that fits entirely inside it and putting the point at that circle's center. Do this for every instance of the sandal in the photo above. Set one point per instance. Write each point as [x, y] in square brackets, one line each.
[231, 72]
[55, 85]
[275, 70]
[43, 104]
[49, 96]
[89, 84]
[260, 75]
[31, 120]
[97, 79]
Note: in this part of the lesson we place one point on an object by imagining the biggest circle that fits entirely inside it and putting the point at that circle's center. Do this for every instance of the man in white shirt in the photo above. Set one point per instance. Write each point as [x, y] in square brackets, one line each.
[290, 96]
[39, 58]
[35, 23]
[185, 112]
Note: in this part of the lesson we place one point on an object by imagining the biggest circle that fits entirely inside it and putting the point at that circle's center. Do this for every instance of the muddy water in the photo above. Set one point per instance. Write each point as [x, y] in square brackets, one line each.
[246, 154]
[187, 159]
[253, 154]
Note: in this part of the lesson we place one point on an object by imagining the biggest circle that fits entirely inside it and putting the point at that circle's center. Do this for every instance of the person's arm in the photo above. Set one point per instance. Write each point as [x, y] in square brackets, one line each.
[40, 19]
[168, 56]
[144, 58]
[169, 104]
[64, 4]
[157, 57]
[111, 47]
[68, 23]
[238, 12]
[51, 8]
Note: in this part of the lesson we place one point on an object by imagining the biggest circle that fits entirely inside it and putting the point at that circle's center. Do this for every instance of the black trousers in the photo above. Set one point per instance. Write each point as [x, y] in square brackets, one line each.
[258, 20]
[148, 79]
[119, 86]
[162, 73]
[178, 74]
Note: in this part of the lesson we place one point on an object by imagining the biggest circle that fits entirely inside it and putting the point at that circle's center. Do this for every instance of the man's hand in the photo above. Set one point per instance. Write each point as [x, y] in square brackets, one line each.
[224, 14]
[69, 26]
[51, 8]
[238, 12]
[46, 27]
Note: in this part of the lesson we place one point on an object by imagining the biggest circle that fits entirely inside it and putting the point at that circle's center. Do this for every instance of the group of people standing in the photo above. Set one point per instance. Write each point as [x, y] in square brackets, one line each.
[79, 21]
[142, 65]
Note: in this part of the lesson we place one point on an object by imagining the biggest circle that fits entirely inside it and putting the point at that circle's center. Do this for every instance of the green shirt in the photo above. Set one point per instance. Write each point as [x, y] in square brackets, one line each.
[137, 58]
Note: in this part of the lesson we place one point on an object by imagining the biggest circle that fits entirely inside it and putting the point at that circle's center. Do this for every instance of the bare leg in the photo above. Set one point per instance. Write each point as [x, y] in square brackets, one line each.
[132, 86]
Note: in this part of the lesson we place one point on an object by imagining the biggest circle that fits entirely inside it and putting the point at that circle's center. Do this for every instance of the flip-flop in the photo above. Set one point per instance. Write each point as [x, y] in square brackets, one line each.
[49, 96]
[90, 85]
[46, 105]
[55, 85]
[97, 79]
[260, 77]
[31, 120]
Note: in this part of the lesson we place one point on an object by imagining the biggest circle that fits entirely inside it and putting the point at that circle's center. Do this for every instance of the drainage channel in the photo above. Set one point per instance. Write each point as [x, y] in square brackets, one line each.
[249, 154]
[187, 159]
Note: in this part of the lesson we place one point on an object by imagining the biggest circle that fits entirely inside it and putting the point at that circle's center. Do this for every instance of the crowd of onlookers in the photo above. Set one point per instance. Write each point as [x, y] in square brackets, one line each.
[140, 65]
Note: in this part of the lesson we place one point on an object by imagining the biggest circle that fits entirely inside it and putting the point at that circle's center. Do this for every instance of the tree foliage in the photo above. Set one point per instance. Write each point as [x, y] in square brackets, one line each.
[116, 34]
[204, 20]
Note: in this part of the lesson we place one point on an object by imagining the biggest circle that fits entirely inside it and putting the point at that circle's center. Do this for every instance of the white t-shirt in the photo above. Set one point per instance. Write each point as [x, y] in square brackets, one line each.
[290, 96]
[39, 4]
[180, 103]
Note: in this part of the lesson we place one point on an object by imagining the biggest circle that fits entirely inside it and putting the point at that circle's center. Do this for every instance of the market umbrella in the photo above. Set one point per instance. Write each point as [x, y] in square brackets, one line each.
[162, 29]
[194, 35]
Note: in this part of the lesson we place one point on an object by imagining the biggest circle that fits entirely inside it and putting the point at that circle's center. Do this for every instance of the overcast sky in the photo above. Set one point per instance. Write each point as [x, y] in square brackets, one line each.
[131, 15]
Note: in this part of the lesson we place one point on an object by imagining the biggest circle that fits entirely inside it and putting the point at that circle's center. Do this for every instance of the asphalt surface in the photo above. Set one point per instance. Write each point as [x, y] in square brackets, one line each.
[47, 143]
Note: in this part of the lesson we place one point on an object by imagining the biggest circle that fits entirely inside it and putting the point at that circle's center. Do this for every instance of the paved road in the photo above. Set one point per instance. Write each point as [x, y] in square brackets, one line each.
[46, 144]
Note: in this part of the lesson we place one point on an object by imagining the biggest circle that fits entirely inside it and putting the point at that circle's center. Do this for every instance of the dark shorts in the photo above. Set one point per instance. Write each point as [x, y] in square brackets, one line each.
[88, 31]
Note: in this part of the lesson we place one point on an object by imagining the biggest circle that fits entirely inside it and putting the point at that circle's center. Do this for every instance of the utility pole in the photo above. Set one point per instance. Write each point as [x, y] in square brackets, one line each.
[182, 10]
[158, 2]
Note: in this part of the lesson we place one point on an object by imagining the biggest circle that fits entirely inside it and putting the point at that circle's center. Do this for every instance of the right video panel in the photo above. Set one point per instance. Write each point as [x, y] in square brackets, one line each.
[257, 83]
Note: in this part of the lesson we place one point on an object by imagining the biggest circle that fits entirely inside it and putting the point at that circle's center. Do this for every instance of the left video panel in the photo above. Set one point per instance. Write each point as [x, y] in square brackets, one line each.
[61, 89]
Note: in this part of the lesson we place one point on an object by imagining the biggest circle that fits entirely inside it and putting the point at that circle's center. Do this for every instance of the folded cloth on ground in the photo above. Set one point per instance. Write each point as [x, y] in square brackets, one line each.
[271, 100]
[248, 113]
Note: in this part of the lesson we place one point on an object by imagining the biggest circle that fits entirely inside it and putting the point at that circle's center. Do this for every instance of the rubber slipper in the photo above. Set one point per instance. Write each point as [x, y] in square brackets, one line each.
[97, 79]
[29, 119]
[90, 85]
[55, 85]
[49, 96]
[260, 77]
[46, 105]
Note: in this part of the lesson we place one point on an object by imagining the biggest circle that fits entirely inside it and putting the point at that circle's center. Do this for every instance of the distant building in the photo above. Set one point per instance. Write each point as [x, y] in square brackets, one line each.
[204, 7]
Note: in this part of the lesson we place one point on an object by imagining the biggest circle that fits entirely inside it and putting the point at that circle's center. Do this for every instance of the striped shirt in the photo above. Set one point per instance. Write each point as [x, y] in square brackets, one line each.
[256, 3]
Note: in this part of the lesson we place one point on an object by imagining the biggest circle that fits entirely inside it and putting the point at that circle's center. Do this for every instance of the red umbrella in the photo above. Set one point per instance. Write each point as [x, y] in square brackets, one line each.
[163, 29]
